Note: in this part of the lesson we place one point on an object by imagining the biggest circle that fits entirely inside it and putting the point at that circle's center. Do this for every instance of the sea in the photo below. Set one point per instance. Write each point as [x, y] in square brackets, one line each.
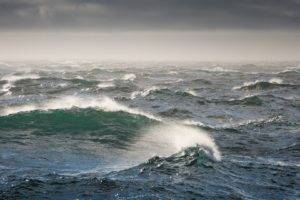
[149, 130]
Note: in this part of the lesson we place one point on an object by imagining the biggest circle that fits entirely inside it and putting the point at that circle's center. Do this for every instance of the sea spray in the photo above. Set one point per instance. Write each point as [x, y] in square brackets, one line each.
[168, 139]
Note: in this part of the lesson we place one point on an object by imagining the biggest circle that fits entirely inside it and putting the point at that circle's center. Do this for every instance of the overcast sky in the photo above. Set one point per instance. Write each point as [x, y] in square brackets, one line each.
[196, 27]
[150, 14]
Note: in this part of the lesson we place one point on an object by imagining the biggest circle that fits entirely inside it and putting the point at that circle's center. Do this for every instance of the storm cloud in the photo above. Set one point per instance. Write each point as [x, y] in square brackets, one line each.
[149, 14]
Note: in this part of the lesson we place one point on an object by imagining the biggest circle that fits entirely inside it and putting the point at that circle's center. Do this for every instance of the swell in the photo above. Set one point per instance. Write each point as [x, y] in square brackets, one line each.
[133, 179]
[254, 100]
[264, 85]
[76, 121]
[156, 93]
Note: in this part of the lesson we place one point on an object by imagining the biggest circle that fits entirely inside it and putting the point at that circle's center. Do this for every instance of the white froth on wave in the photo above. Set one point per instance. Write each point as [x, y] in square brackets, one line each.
[68, 102]
[193, 123]
[105, 85]
[149, 90]
[191, 92]
[218, 69]
[79, 77]
[12, 78]
[172, 72]
[272, 80]
[129, 77]
[134, 94]
[145, 92]
[276, 80]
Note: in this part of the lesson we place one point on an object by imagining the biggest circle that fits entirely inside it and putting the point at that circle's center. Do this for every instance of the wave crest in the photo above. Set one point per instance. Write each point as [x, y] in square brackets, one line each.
[129, 77]
[68, 102]
[10, 79]
[262, 85]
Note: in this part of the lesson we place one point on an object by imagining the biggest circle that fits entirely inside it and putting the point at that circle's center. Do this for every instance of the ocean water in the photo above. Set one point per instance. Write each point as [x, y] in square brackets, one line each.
[84, 130]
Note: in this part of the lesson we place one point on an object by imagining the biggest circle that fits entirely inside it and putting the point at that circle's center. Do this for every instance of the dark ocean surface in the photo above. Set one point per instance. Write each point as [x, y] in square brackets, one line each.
[84, 130]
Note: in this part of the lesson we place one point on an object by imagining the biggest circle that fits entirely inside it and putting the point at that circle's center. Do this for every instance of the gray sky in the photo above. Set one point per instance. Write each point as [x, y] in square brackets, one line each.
[150, 14]
[150, 29]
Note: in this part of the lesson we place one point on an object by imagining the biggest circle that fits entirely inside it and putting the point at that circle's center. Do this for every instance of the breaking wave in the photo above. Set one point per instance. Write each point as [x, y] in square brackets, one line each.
[145, 92]
[263, 85]
[68, 102]
[105, 85]
[10, 79]
[168, 139]
[129, 77]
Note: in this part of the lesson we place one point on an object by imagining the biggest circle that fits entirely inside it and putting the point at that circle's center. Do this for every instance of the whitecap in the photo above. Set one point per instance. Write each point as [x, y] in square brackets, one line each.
[218, 69]
[105, 85]
[145, 92]
[134, 94]
[11, 79]
[191, 92]
[276, 80]
[193, 123]
[246, 84]
[173, 72]
[149, 90]
[129, 77]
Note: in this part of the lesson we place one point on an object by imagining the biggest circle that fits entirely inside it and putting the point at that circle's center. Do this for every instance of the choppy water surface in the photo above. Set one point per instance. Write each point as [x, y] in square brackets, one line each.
[93, 131]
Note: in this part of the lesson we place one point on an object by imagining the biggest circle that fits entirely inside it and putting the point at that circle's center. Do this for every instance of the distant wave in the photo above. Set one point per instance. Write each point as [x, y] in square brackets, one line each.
[237, 125]
[10, 79]
[289, 70]
[129, 77]
[249, 101]
[176, 113]
[191, 92]
[263, 85]
[160, 91]
[68, 102]
[201, 81]
[263, 161]
[218, 69]
[105, 85]
[172, 72]
[145, 92]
